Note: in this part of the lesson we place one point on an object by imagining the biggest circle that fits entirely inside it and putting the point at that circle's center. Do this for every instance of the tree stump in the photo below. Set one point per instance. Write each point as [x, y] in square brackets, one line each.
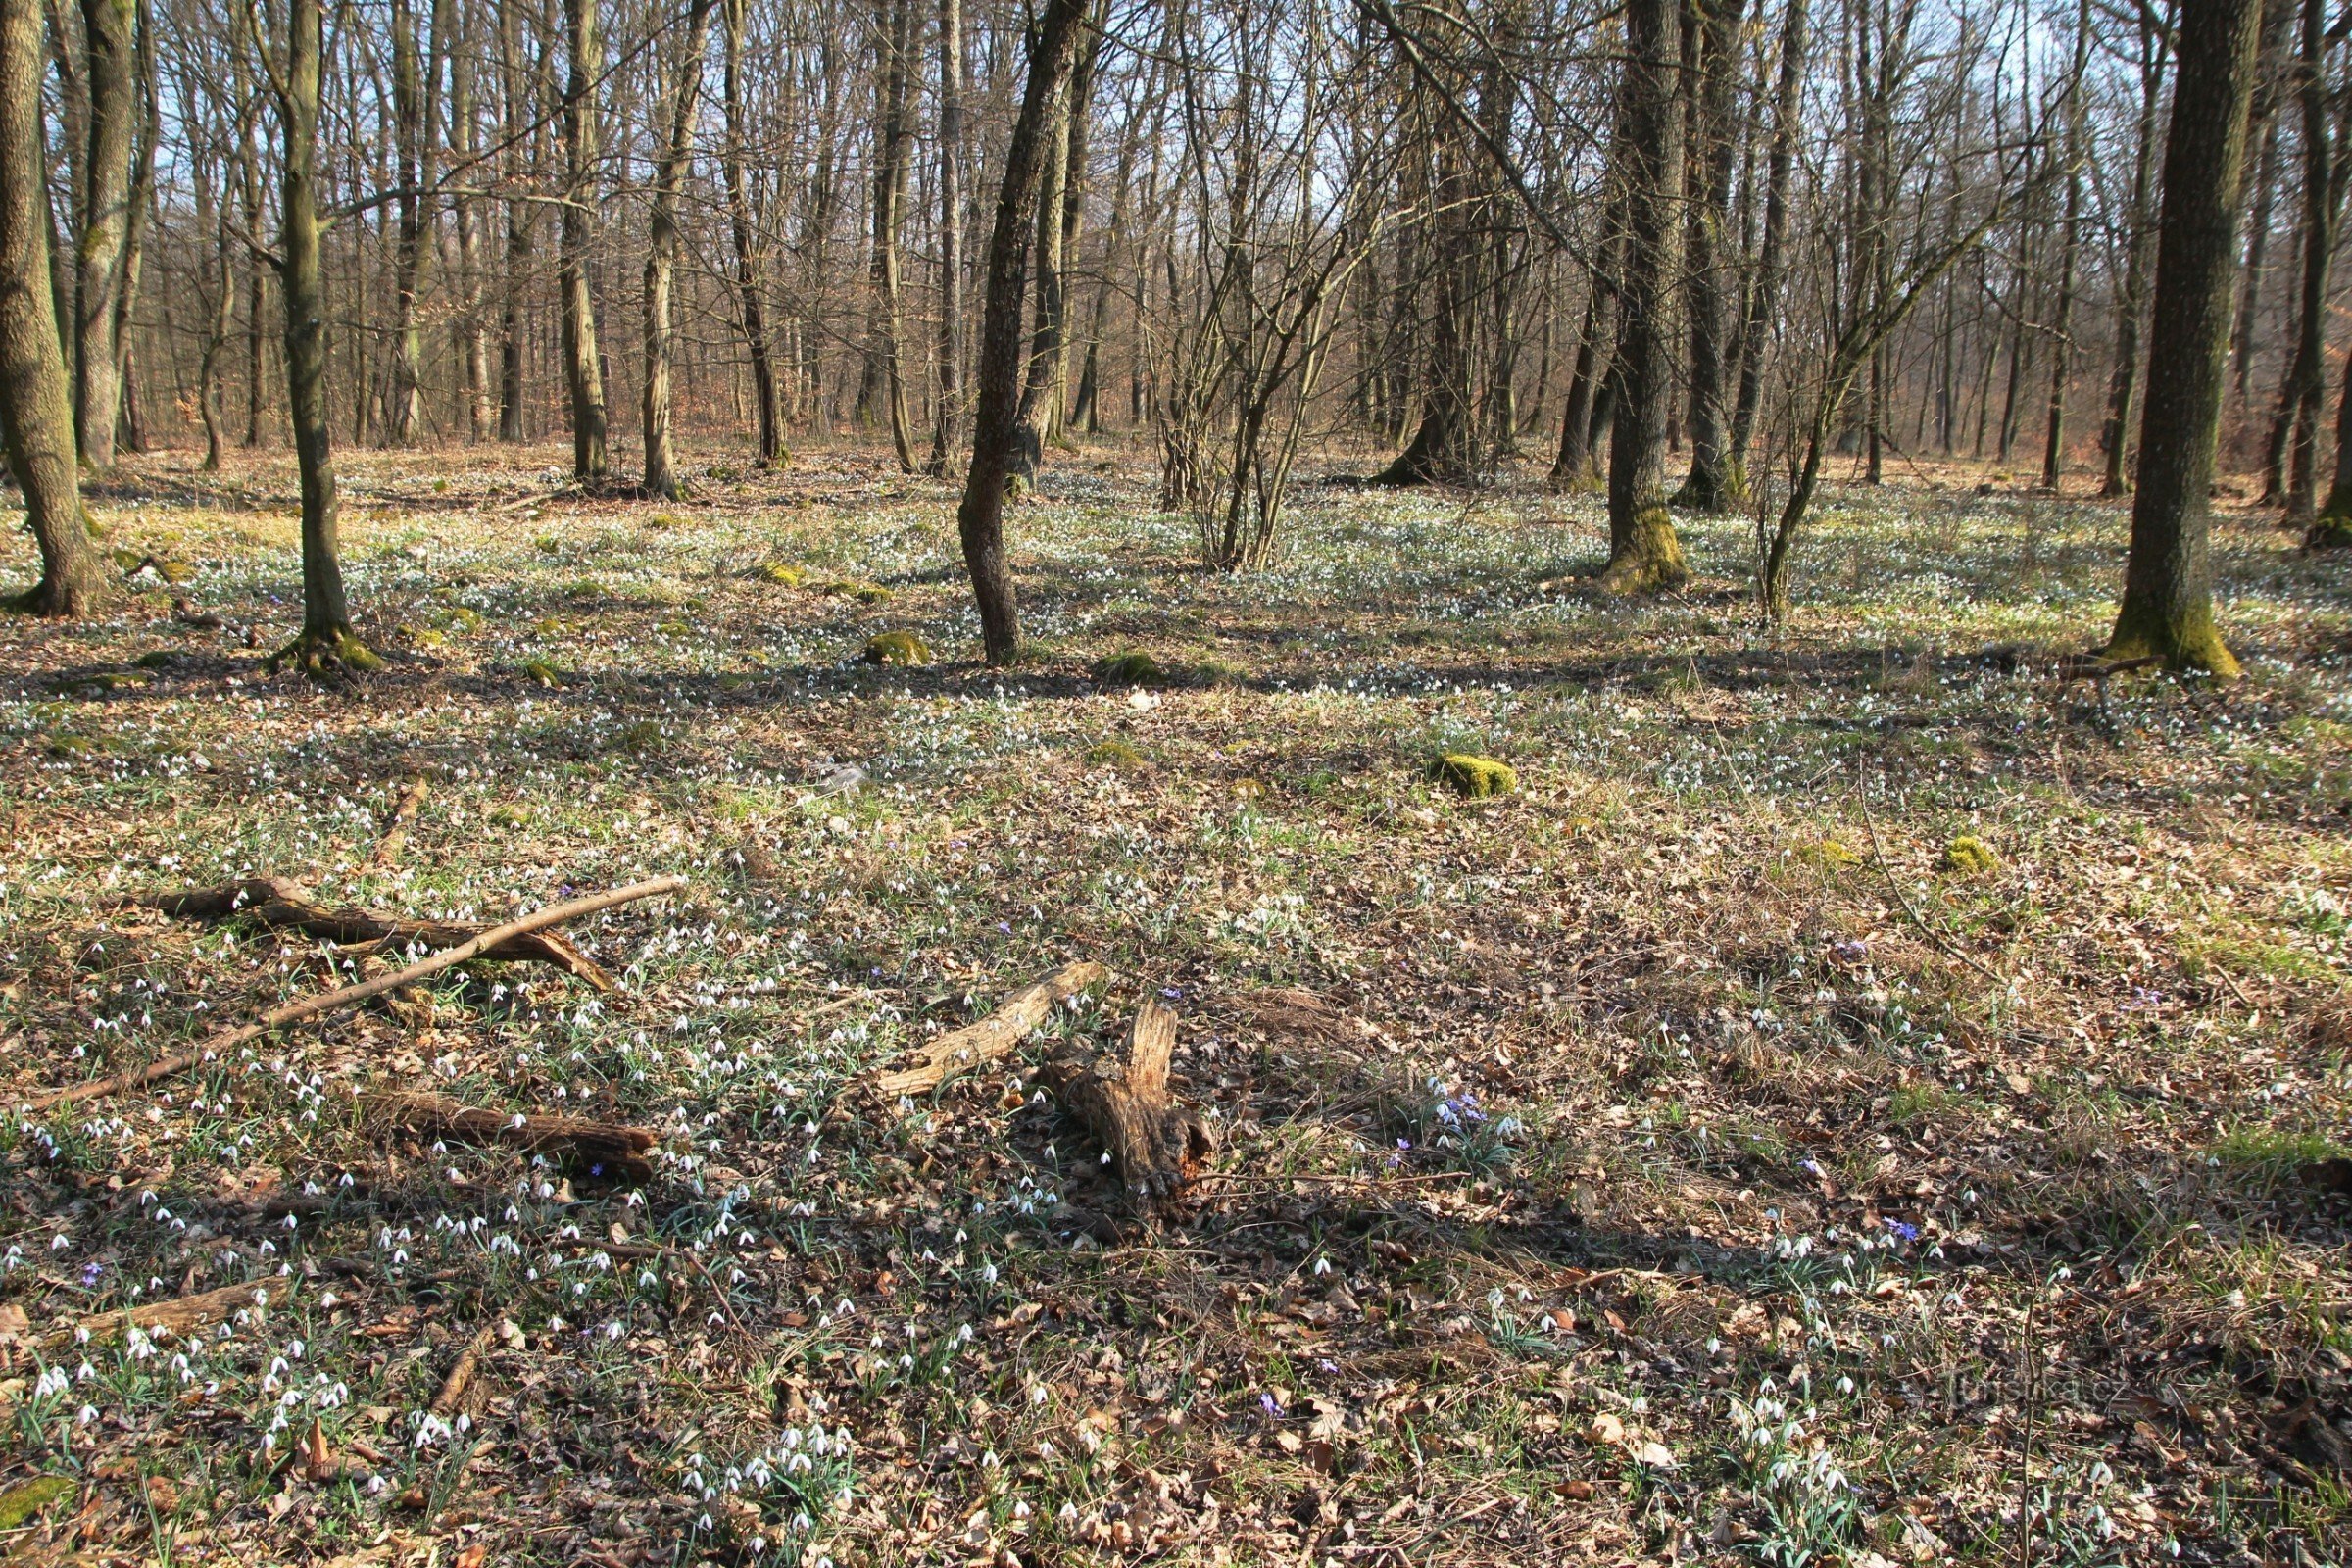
[1159, 1145]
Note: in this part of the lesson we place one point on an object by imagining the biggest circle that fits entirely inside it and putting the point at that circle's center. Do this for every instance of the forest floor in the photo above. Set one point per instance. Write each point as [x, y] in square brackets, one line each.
[1700, 1153]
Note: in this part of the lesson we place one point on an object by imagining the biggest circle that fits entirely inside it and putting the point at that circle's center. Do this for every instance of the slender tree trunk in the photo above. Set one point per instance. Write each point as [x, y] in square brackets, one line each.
[949, 414]
[980, 521]
[1713, 481]
[2053, 451]
[109, 40]
[1760, 306]
[37, 415]
[2291, 458]
[1035, 415]
[750, 292]
[404, 413]
[2166, 608]
[895, 20]
[583, 365]
[326, 645]
[2131, 304]
[661, 254]
[1644, 552]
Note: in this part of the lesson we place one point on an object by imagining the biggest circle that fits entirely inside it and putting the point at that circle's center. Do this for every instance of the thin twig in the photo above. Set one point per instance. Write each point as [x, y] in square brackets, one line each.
[1933, 935]
[278, 1017]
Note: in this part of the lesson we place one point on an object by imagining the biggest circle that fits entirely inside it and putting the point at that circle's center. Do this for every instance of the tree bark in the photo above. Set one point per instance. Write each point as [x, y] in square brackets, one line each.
[2290, 457]
[111, 75]
[980, 521]
[1713, 481]
[2053, 450]
[749, 291]
[326, 645]
[36, 417]
[583, 365]
[948, 416]
[1036, 415]
[2167, 606]
[1760, 306]
[661, 254]
[896, 22]
[1644, 552]
[2131, 303]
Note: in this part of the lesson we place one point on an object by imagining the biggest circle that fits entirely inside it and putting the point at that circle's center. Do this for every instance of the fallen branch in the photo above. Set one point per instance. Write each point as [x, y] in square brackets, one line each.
[1157, 1144]
[387, 850]
[2090, 666]
[282, 905]
[182, 1315]
[993, 1037]
[278, 1017]
[601, 1149]
[461, 1374]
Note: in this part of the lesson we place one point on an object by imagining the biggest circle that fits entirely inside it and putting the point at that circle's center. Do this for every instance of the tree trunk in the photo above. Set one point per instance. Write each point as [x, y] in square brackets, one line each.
[1761, 305]
[896, 22]
[661, 254]
[1035, 415]
[2291, 458]
[1713, 481]
[404, 411]
[2131, 304]
[110, 75]
[1644, 552]
[2053, 451]
[980, 521]
[583, 365]
[749, 290]
[326, 645]
[37, 415]
[948, 414]
[2167, 606]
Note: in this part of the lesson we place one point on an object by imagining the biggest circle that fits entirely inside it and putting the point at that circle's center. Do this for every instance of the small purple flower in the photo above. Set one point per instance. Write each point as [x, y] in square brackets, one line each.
[1909, 1233]
[1173, 993]
[1273, 1405]
[90, 1272]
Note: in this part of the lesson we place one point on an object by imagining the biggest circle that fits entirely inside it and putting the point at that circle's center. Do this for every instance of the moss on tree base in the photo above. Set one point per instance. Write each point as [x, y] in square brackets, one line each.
[2331, 529]
[326, 654]
[1651, 561]
[2193, 645]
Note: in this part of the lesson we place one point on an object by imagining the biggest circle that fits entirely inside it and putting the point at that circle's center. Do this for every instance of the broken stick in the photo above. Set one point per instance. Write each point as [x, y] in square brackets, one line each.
[182, 1314]
[282, 905]
[601, 1149]
[461, 1376]
[295, 1011]
[993, 1037]
[388, 850]
[1159, 1145]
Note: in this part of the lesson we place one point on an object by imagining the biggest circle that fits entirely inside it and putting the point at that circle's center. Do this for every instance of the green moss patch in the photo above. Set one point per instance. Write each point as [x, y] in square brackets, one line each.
[901, 648]
[1473, 777]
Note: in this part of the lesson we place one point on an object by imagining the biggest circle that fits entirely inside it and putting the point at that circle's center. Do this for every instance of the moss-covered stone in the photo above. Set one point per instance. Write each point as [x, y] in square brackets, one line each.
[1474, 777]
[1827, 855]
[781, 574]
[541, 671]
[1969, 855]
[902, 648]
[25, 1499]
[1133, 668]
[1115, 754]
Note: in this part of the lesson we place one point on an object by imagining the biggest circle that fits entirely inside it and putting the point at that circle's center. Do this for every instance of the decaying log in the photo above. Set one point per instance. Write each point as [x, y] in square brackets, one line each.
[227, 1040]
[461, 1374]
[183, 1315]
[609, 1151]
[388, 849]
[993, 1037]
[282, 905]
[1159, 1145]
